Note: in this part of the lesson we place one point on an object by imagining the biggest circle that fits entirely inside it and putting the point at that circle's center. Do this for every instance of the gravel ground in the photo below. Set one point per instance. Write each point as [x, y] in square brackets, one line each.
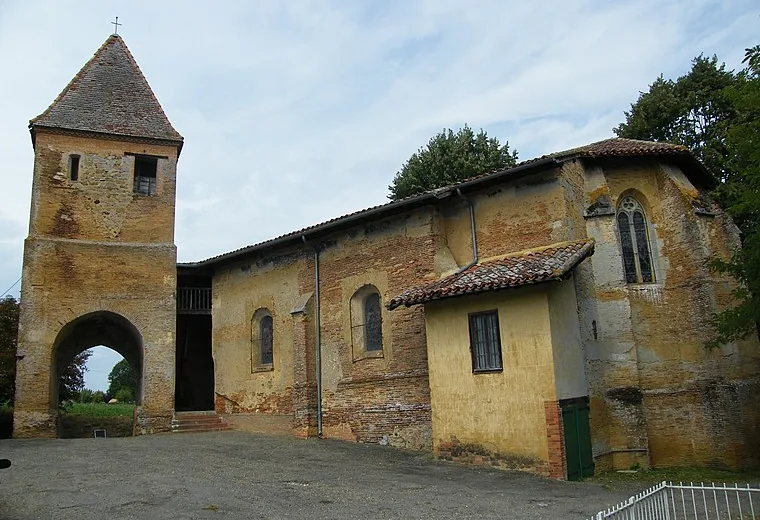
[242, 475]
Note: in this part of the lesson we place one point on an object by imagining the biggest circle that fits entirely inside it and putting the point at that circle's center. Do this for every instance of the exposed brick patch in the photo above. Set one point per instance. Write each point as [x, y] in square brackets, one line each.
[556, 440]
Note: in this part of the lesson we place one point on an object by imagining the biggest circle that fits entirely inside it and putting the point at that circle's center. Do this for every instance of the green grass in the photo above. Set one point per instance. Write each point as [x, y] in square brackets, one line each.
[100, 409]
[647, 477]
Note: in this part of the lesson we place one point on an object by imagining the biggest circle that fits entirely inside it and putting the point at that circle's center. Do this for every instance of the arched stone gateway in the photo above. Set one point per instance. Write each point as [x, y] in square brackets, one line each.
[97, 328]
[100, 264]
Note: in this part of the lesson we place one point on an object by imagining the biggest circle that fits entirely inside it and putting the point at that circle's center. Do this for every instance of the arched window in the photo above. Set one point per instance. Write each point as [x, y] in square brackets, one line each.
[634, 242]
[262, 341]
[373, 323]
[366, 323]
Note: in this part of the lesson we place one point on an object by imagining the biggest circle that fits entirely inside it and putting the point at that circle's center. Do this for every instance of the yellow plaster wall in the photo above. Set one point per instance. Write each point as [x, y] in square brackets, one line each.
[512, 217]
[501, 411]
[239, 290]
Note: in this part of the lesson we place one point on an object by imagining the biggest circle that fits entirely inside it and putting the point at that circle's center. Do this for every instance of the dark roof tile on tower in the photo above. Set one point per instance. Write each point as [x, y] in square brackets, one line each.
[109, 95]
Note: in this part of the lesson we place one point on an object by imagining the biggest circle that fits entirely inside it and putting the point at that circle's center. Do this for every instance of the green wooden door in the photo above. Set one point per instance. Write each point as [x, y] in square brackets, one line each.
[580, 462]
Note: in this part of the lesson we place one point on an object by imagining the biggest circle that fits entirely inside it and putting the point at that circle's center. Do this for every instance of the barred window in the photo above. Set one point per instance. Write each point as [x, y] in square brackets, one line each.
[485, 342]
[634, 242]
[262, 341]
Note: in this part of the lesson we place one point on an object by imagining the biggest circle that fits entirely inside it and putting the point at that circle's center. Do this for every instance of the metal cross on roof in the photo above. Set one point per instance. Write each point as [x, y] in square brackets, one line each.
[116, 25]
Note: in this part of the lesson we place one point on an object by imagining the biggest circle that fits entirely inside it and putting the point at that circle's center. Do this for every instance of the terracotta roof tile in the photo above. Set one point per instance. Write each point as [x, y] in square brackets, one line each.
[526, 267]
[109, 95]
[619, 147]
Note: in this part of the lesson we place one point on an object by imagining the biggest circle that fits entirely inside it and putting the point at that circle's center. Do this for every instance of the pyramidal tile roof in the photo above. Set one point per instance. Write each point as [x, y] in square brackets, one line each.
[533, 266]
[109, 95]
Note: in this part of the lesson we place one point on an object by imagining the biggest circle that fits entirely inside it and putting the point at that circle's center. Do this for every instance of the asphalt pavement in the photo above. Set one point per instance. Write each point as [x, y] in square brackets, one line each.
[228, 475]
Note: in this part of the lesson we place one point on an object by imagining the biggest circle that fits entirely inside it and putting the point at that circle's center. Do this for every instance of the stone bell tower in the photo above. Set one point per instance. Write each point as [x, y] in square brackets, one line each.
[100, 260]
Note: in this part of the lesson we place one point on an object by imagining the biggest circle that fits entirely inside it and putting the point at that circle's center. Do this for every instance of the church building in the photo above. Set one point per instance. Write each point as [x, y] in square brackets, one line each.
[550, 317]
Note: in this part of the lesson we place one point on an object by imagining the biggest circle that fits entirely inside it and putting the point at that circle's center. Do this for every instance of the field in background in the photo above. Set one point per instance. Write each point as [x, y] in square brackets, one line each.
[81, 419]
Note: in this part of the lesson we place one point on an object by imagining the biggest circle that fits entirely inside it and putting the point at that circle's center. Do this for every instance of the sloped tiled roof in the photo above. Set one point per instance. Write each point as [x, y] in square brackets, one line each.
[109, 95]
[620, 147]
[526, 267]
[614, 147]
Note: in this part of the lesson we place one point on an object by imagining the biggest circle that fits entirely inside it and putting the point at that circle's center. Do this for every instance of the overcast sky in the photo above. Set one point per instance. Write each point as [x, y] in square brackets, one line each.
[297, 112]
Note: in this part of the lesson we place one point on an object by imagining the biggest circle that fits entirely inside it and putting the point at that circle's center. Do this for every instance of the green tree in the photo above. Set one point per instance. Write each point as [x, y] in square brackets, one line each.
[122, 381]
[72, 378]
[743, 194]
[85, 395]
[716, 113]
[9, 309]
[98, 397]
[693, 110]
[450, 158]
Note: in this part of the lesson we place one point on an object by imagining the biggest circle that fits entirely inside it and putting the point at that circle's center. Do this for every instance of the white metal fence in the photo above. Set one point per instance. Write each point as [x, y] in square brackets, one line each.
[669, 501]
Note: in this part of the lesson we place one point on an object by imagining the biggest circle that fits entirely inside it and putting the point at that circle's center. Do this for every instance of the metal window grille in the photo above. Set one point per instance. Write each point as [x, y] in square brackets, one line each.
[145, 185]
[681, 501]
[485, 342]
[193, 300]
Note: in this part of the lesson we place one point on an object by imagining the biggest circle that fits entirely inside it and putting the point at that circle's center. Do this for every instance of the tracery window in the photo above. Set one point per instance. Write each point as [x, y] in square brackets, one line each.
[634, 242]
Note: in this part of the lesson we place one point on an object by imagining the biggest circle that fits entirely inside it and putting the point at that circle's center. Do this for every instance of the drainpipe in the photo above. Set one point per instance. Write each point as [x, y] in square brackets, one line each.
[472, 231]
[318, 331]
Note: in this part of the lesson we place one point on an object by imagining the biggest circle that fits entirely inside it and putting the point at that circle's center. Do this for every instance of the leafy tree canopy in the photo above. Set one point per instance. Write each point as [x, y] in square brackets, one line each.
[72, 379]
[9, 309]
[450, 158]
[742, 193]
[716, 113]
[122, 382]
[693, 110]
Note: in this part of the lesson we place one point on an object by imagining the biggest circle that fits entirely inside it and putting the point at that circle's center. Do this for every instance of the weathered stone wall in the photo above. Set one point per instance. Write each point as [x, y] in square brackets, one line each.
[657, 394]
[239, 291]
[101, 204]
[96, 255]
[379, 398]
[517, 215]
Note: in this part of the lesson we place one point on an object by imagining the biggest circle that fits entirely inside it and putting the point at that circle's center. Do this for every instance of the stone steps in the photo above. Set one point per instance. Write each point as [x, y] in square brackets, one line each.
[198, 422]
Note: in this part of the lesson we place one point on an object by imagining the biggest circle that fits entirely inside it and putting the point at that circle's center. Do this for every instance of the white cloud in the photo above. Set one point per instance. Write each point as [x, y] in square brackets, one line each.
[297, 112]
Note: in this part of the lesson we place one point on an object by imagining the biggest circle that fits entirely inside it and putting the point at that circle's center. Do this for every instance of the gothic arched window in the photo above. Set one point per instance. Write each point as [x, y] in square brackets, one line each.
[262, 340]
[366, 308]
[634, 242]
[373, 323]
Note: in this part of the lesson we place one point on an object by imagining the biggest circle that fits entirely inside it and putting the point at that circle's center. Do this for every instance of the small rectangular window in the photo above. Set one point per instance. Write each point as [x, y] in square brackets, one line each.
[485, 342]
[74, 167]
[145, 175]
